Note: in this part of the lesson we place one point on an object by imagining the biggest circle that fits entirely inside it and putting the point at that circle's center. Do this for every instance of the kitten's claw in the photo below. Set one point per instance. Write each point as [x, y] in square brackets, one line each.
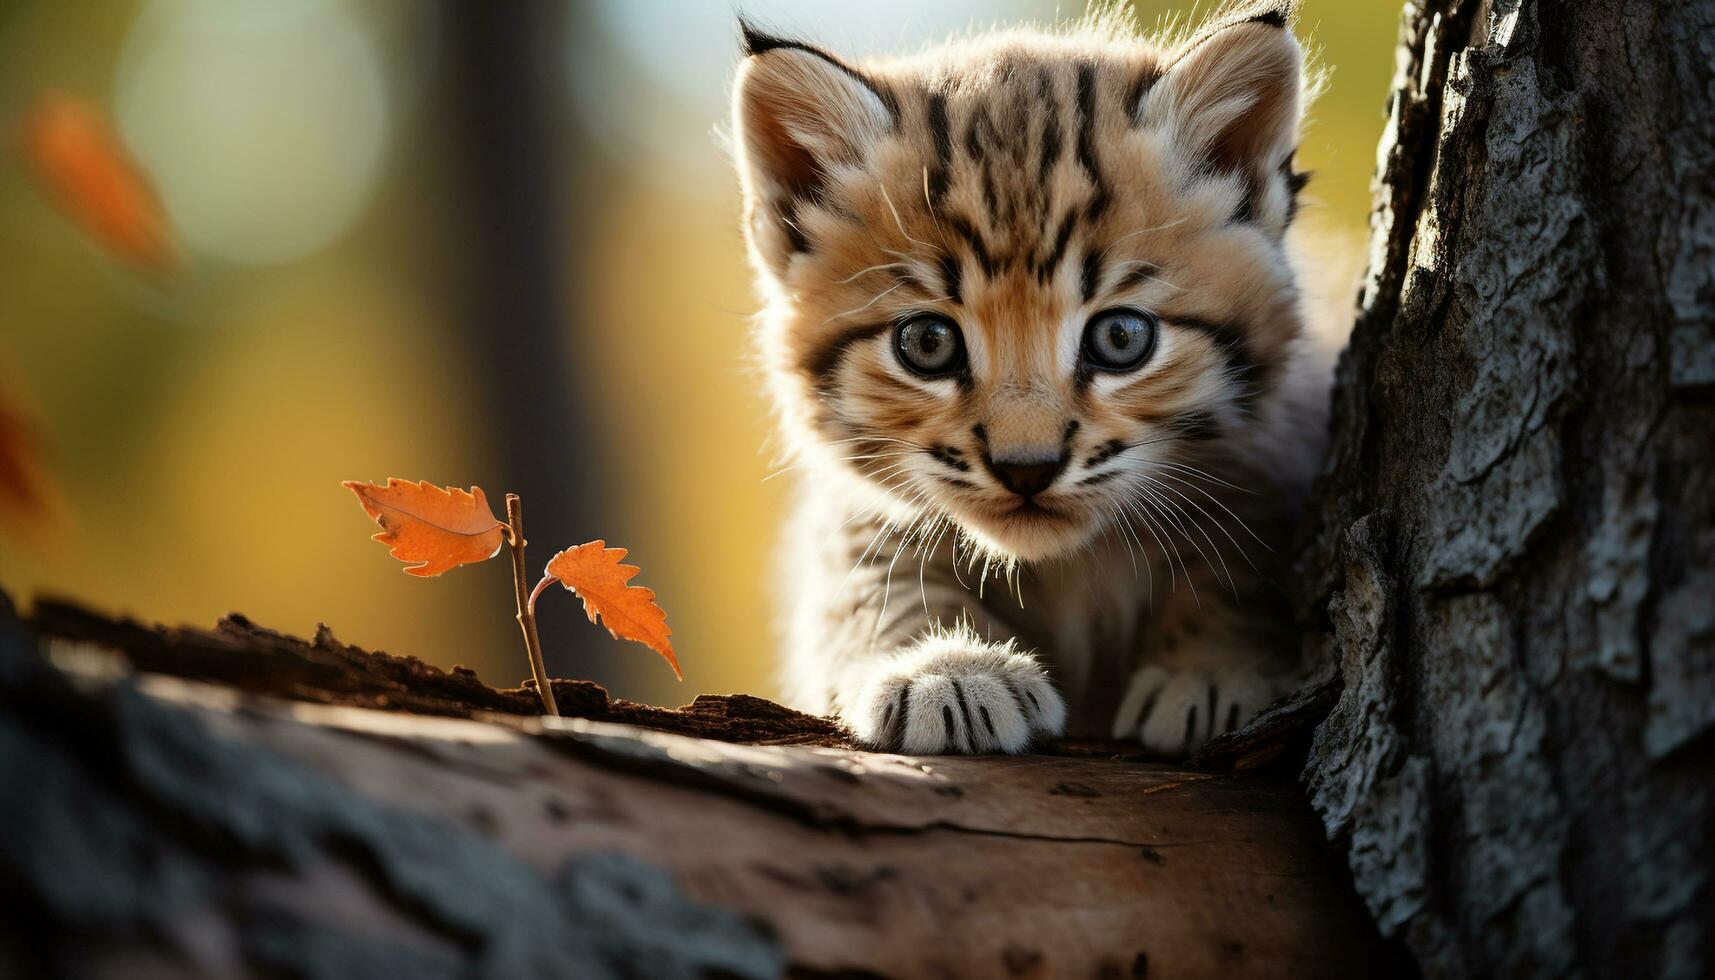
[1173, 712]
[957, 694]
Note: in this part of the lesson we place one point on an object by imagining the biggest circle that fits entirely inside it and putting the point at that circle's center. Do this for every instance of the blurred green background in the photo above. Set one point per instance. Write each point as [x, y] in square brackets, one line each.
[489, 243]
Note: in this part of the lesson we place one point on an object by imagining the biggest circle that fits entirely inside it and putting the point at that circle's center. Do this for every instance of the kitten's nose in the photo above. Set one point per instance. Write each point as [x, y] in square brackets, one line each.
[1026, 479]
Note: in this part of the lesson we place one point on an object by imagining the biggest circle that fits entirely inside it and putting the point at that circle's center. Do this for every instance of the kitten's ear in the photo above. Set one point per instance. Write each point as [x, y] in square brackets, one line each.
[1235, 92]
[799, 113]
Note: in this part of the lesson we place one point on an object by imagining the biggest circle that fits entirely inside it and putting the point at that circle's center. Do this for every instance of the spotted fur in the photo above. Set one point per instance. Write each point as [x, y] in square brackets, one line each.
[1017, 184]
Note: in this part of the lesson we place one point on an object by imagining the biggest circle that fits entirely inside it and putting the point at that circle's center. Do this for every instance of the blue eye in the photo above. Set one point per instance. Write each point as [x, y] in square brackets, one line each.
[929, 345]
[1119, 340]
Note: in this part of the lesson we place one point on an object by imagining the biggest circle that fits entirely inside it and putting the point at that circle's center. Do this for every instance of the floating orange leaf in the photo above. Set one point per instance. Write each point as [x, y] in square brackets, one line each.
[75, 154]
[629, 612]
[28, 499]
[438, 528]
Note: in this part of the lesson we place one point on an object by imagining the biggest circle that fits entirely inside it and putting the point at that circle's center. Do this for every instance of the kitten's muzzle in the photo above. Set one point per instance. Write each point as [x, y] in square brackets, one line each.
[1026, 478]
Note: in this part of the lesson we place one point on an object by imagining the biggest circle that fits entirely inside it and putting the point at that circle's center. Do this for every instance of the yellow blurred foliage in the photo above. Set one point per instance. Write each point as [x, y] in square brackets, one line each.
[702, 521]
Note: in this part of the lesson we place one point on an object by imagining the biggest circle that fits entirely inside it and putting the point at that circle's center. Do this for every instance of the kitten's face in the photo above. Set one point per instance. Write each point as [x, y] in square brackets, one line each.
[1026, 285]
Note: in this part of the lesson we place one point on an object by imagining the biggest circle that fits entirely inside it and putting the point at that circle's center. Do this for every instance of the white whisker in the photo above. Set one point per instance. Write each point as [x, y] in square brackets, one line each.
[873, 268]
[1218, 525]
[1201, 473]
[1168, 505]
[1140, 264]
[896, 220]
[1140, 231]
[873, 300]
[1217, 502]
[1169, 549]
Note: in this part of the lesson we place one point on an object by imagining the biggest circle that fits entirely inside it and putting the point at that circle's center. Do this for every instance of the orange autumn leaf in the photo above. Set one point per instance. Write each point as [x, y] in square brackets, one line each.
[76, 155]
[29, 501]
[629, 612]
[438, 528]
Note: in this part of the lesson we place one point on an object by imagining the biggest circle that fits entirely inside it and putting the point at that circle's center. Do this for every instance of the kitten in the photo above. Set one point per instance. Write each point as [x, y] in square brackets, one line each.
[1036, 340]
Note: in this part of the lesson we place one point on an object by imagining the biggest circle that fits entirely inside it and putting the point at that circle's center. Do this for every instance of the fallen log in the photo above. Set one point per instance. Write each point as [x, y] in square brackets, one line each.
[237, 802]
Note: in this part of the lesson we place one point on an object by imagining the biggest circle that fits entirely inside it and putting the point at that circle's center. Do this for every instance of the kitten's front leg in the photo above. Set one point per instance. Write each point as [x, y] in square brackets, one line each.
[902, 652]
[951, 691]
[1172, 711]
[1203, 673]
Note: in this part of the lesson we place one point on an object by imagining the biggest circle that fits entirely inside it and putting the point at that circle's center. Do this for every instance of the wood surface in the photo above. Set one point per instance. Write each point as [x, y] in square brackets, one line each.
[196, 828]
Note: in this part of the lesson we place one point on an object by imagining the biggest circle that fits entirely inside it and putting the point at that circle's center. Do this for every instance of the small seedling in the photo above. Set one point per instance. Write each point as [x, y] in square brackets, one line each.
[436, 529]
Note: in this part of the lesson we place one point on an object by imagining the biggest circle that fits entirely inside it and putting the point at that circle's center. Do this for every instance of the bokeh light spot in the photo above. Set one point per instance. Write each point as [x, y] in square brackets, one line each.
[265, 124]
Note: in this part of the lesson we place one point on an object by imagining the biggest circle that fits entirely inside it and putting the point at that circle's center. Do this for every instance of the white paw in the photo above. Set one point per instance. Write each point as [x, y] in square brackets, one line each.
[956, 694]
[1173, 712]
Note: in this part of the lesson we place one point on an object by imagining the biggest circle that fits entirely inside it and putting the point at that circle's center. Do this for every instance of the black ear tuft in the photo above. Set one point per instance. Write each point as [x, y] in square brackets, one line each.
[1278, 14]
[757, 41]
[1295, 181]
[799, 114]
[1274, 13]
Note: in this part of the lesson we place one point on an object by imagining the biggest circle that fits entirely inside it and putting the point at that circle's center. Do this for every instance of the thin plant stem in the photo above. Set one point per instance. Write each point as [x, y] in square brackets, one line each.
[547, 580]
[526, 604]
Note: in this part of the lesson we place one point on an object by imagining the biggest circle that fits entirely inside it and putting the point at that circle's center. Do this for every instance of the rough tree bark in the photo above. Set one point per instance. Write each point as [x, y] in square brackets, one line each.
[1513, 557]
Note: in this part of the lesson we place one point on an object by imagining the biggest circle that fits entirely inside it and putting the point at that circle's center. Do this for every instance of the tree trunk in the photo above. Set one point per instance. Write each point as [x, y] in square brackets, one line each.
[1512, 558]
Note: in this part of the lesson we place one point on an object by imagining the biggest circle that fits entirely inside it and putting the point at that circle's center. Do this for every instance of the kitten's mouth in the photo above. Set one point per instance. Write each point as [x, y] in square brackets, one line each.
[1033, 516]
[1028, 529]
[1031, 510]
